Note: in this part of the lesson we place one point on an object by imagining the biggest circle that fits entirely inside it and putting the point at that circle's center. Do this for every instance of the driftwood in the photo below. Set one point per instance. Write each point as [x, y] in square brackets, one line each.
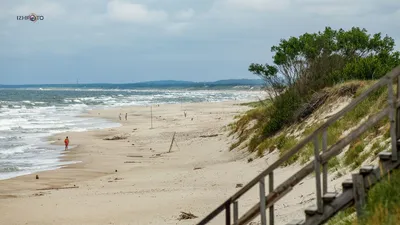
[56, 188]
[135, 156]
[239, 185]
[116, 137]
[315, 102]
[186, 216]
[207, 136]
[132, 162]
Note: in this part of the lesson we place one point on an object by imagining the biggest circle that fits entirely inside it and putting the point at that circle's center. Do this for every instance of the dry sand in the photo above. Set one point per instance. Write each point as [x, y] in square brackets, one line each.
[135, 180]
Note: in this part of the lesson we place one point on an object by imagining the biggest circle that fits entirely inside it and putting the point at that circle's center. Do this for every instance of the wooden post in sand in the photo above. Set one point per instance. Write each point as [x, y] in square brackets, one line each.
[173, 138]
[151, 115]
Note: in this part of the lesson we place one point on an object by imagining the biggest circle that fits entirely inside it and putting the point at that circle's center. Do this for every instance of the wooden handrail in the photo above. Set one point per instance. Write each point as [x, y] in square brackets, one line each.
[333, 150]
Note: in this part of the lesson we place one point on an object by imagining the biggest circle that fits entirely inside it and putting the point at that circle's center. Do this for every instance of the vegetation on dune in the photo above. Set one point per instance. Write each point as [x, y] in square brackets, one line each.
[311, 62]
[309, 71]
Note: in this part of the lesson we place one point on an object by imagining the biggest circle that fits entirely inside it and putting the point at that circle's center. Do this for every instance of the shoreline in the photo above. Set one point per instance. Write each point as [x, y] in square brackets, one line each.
[136, 180]
[86, 170]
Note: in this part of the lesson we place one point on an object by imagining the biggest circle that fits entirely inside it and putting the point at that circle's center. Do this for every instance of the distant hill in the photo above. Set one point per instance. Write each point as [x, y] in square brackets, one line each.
[229, 82]
[150, 84]
[240, 82]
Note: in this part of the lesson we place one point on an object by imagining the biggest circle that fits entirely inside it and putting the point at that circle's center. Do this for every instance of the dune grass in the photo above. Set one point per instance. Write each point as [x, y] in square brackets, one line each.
[283, 142]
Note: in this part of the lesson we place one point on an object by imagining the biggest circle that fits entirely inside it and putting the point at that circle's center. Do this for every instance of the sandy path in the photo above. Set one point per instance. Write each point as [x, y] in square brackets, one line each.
[153, 188]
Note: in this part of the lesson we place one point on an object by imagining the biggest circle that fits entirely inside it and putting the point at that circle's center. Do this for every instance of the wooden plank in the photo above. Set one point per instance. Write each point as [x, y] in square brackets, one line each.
[329, 197]
[380, 172]
[262, 202]
[56, 188]
[392, 119]
[385, 155]
[342, 201]
[317, 168]
[311, 210]
[364, 170]
[359, 193]
[348, 183]
[345, 199]
[271, 208]
[235, 212]
[325, 165]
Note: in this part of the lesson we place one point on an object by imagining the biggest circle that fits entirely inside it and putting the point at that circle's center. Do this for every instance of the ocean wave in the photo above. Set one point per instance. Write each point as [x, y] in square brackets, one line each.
[28, 117]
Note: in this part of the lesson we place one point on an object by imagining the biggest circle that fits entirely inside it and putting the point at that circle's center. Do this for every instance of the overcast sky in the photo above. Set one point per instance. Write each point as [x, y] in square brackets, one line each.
[121, 41]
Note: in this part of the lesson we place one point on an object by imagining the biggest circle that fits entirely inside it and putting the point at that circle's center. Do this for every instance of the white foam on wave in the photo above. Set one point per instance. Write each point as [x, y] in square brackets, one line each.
[25, 126]
[25, 130]
[15, 150]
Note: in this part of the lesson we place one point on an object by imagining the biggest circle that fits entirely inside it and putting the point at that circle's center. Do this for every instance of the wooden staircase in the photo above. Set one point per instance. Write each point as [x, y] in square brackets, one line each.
[327, 203]
[335, 202]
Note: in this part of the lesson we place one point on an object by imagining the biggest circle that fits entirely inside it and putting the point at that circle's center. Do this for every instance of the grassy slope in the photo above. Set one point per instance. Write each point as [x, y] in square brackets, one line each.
[366, 147]
[384, 199]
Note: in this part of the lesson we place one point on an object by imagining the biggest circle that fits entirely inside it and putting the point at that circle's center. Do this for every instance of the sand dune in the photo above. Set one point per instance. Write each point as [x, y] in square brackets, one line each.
[135, 180]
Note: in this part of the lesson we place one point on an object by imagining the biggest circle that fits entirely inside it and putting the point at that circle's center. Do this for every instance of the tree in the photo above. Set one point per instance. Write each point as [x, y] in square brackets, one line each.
[304, 65]
[352, 54]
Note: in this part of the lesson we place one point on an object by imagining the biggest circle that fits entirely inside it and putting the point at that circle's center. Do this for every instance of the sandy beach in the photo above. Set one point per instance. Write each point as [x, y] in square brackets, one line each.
[136, 180]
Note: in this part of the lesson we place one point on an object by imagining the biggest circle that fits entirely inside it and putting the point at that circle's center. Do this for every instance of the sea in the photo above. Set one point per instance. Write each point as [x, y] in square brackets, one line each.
[30, 115]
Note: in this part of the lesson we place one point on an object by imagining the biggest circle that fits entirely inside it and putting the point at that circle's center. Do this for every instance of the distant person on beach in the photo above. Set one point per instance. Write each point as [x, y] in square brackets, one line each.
[66, 142]
[120, 116]
[126, 116]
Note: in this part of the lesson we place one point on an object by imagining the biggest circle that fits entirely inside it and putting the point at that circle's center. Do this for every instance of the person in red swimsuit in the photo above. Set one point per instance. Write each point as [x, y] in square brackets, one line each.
[66, 142]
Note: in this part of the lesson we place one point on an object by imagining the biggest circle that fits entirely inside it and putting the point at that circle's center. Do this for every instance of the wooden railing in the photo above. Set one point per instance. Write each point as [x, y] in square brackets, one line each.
[320, 159]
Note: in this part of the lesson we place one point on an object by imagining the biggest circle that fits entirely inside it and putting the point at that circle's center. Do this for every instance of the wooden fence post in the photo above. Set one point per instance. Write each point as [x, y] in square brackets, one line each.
[172, 141]
[358, 193]
[317, 167]
[271, 208]
[325, 165]
[262, 202]
[235, 212]
[228, 214]
[392, 112]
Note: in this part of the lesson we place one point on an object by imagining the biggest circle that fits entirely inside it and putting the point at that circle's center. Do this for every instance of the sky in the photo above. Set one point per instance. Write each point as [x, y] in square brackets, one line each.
[124, 41]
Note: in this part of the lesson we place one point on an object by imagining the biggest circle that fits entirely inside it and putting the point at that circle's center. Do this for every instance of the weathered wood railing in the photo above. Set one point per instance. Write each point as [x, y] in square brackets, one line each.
[320, 159]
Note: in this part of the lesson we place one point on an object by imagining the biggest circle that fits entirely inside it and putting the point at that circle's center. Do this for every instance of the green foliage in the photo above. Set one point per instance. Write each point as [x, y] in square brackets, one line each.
[353, 153]
[344, 217]
[383, 203]
[304, 65]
